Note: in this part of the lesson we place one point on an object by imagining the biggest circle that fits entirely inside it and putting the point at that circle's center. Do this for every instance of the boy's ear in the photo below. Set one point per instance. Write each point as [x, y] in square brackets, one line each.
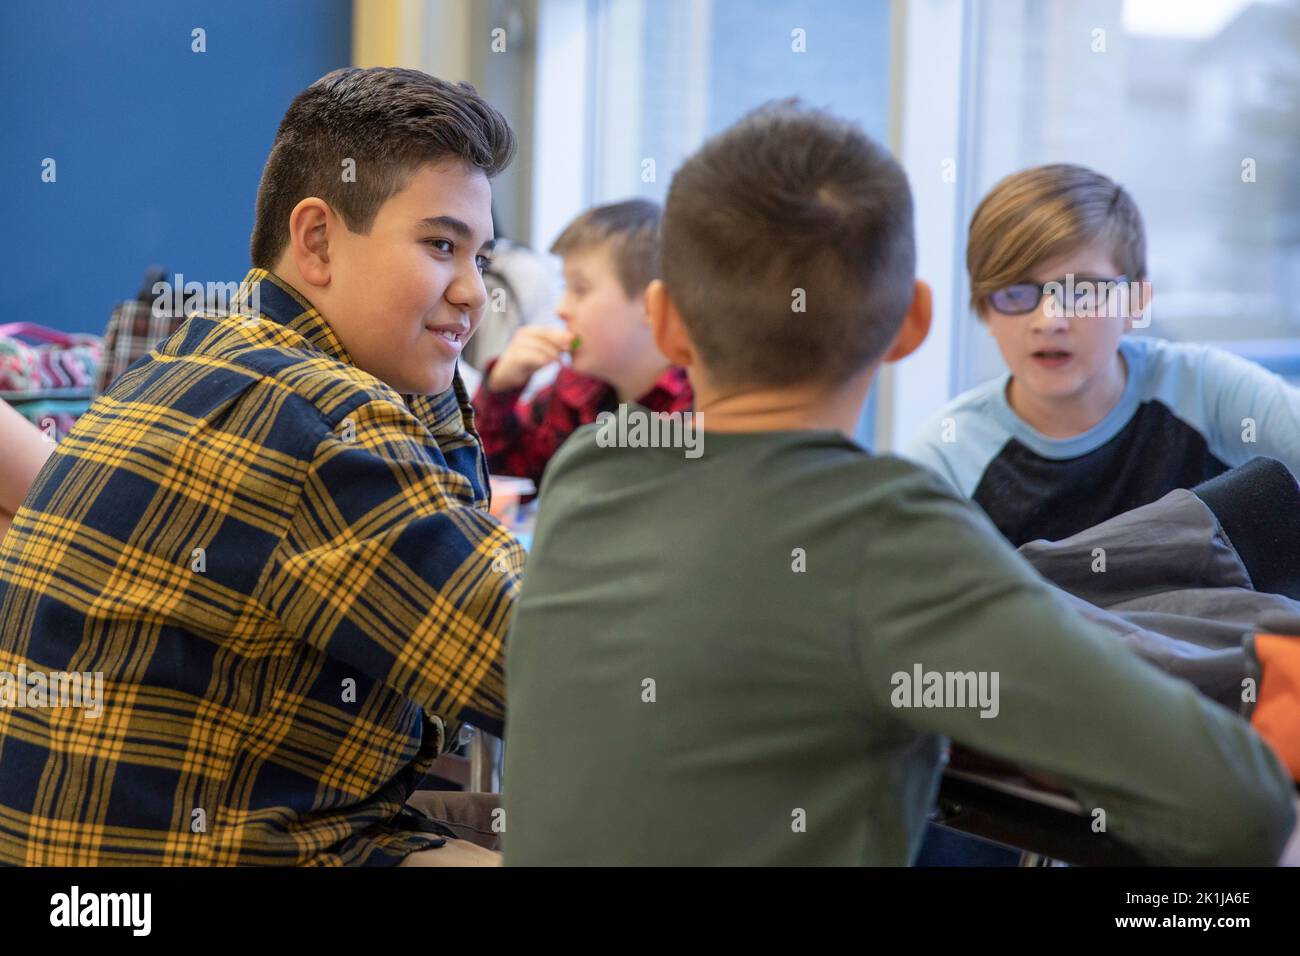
[916, 324]
[666, 324]
[309, 227]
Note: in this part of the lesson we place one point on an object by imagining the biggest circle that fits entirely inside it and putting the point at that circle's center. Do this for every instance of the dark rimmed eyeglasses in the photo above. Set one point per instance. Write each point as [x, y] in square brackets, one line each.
[1074, 294]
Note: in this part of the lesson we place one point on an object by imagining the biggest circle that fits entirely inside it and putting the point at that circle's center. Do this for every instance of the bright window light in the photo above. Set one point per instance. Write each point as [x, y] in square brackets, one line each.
[1179, 18]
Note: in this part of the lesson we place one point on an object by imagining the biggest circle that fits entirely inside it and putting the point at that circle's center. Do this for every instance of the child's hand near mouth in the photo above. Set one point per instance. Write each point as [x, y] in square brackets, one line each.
[532, 348]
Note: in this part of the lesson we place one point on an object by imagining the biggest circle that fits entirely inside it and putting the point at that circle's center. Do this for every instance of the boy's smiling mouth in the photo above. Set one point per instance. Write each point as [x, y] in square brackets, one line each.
[453, 335]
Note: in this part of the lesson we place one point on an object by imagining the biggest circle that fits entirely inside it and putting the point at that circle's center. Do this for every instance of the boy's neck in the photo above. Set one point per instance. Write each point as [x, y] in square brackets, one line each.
[797, 408]
[633, 384]
[1071, 415]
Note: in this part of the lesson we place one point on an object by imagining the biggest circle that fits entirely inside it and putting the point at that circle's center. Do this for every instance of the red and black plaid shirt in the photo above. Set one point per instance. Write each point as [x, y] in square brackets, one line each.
[519, 438]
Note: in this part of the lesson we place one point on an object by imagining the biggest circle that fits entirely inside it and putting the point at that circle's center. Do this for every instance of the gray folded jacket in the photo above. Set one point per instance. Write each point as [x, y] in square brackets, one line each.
[1168, 580]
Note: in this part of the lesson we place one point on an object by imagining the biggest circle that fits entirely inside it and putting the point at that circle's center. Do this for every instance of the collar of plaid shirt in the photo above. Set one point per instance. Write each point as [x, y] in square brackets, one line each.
[281, 569]
[669, 392]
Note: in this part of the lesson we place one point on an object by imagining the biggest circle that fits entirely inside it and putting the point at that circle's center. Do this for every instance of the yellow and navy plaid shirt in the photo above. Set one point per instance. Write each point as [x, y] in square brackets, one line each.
[283, 570]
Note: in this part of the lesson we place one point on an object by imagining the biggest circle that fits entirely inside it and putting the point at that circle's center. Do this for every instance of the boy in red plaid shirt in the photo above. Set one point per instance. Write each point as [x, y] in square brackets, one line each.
[610, 253]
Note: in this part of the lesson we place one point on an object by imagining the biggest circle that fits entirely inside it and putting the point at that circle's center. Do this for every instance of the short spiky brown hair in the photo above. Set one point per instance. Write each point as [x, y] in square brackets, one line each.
[630, 231]
[790, 200]
[1038, 214]
[388, 121]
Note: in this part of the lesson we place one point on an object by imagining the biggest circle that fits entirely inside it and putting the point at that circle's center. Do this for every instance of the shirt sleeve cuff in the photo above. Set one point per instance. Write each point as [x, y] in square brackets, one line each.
[492, 405]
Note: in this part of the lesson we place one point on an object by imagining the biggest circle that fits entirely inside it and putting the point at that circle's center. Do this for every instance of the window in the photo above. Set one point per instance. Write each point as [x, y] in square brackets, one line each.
[660, 77]
[669, 74]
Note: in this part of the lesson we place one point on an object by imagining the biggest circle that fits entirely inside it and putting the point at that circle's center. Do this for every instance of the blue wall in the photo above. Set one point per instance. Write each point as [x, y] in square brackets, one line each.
[159, 149]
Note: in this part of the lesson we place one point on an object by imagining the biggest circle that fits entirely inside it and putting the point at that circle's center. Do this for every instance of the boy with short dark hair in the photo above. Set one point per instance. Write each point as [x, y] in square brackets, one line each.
[270, 538]
[732, 659]
[610, 254]
[1088, 422]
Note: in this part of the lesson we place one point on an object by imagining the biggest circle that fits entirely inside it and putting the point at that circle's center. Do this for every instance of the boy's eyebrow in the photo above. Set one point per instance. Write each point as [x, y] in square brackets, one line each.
[457, 226]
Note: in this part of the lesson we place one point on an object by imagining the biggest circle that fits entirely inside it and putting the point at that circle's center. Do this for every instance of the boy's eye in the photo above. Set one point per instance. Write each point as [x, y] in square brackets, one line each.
[1017, 299]
[449, 247]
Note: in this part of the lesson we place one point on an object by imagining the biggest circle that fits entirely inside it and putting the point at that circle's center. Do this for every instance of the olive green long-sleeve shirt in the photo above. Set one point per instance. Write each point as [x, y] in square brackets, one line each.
[730, 658]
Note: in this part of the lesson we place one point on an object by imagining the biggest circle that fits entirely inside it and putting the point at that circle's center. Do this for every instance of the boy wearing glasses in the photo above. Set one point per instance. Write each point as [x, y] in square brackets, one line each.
[1088, 422]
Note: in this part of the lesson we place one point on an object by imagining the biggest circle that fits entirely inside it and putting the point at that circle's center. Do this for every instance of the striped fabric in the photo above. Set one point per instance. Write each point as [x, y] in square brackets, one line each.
[283, 570]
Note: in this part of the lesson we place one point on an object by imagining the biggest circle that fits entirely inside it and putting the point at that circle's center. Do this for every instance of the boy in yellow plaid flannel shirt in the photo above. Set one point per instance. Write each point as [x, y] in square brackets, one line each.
[267, 546]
